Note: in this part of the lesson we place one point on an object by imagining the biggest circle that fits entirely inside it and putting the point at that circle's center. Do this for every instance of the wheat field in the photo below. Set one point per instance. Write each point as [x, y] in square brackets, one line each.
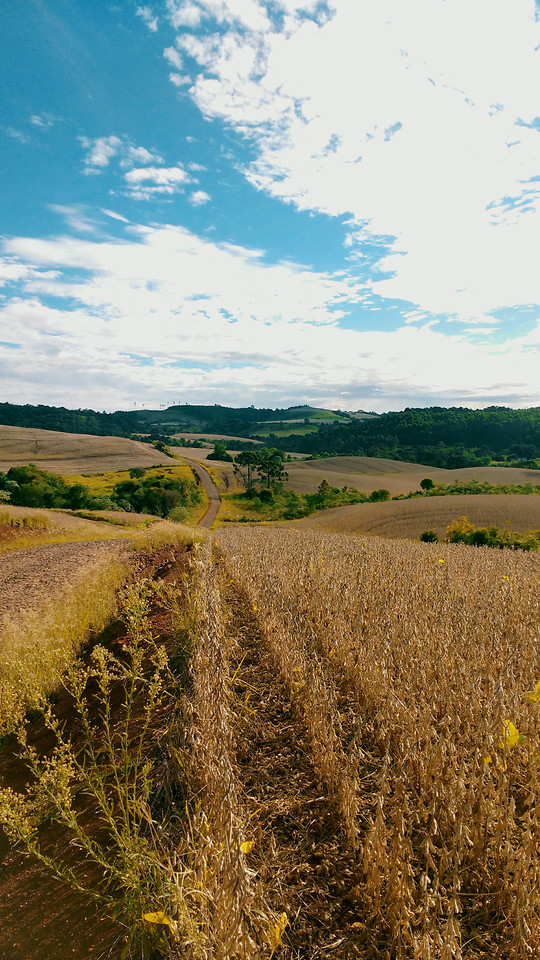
[397, 476]
[414, 668]
[73, 453]
[409, 518]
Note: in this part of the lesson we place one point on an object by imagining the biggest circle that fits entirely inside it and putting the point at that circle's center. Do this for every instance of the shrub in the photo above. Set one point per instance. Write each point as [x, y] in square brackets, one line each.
[429, 536]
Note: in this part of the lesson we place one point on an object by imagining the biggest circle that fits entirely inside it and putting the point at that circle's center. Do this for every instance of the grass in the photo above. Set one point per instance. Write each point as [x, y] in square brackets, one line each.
[294, 430]
[39, 644]
[101, 484]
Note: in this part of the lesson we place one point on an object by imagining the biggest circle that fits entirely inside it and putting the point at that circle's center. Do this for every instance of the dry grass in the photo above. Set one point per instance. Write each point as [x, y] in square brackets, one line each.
[70, 453]
[369, 473]
[409, 518]
[22, 527]
[53, 598]
[407, 660]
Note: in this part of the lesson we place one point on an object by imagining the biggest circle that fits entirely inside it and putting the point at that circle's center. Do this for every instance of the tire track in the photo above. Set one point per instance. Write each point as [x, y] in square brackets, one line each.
[304, 865]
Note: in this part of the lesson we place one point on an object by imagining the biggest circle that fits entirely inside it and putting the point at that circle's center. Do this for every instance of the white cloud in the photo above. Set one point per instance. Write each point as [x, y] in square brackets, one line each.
[102, 150]
[42, 120]
[76, 216]
[18, 135]
[146, 14]
[267, 332]
[173, 57]
[114, 216]
[199, 197]
[410, 118]
[178, 80]
[146, 182]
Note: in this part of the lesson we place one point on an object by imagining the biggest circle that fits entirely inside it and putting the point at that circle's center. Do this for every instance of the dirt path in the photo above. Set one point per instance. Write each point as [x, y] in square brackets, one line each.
[211, 489]
[301, 855]
[37, 575]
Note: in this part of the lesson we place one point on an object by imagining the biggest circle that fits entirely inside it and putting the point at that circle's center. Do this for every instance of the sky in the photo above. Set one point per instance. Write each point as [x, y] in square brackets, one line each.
[270, 202]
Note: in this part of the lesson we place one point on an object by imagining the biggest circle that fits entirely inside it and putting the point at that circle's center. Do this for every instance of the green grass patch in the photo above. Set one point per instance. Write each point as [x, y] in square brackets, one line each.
[278, 430]
[280, 504]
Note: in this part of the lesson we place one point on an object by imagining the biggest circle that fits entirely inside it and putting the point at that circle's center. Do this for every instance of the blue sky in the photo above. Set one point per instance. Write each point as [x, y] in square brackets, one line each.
[270, 202]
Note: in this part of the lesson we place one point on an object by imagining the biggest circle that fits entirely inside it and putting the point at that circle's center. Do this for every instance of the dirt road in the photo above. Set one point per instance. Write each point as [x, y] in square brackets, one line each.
[211, 489]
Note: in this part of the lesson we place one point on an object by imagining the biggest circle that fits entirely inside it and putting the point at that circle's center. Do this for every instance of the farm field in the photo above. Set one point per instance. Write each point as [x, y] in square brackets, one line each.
[73, 453]
[370, 473]
[211, 437]
[351, 723]
[409, 518]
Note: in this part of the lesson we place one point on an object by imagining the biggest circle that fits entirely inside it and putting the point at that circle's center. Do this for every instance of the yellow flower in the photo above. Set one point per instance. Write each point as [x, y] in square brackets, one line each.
[247, 846]
[277, 933]
[510, 737]
[533, 695]
[159, 917]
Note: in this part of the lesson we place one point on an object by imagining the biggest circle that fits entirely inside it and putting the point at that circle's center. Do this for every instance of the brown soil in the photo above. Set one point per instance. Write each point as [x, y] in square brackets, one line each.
[42, 918]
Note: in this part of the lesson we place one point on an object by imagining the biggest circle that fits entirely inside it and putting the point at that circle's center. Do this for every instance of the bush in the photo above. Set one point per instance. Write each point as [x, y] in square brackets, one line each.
[378, 495]
[429, 536]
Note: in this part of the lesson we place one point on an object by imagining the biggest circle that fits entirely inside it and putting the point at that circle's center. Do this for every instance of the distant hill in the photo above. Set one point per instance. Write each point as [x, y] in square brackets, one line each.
[449, 438]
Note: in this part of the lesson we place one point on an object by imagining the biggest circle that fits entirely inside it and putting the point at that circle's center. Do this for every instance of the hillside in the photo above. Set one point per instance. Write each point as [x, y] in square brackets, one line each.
[73, 453]
[370, 473]
[399, 519]
[449, 438]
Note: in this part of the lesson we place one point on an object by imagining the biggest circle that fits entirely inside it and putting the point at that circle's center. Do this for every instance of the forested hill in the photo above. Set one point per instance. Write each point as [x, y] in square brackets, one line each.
[44, 417]
[446, 437]
[232, 421]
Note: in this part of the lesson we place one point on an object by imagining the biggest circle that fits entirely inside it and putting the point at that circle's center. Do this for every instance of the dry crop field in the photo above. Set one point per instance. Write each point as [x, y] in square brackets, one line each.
[383, 747]
[371, 473]
[72, 452]
[356, 746]
[409, 518]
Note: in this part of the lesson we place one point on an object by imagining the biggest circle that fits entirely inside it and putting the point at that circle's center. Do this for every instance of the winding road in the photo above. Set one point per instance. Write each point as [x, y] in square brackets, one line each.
[211, 489]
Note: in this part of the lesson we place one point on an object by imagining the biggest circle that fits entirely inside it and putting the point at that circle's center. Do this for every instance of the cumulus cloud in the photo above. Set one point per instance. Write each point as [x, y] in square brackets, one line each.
[421, 128]
[172, 314]
[100, 152]
[199, 197]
